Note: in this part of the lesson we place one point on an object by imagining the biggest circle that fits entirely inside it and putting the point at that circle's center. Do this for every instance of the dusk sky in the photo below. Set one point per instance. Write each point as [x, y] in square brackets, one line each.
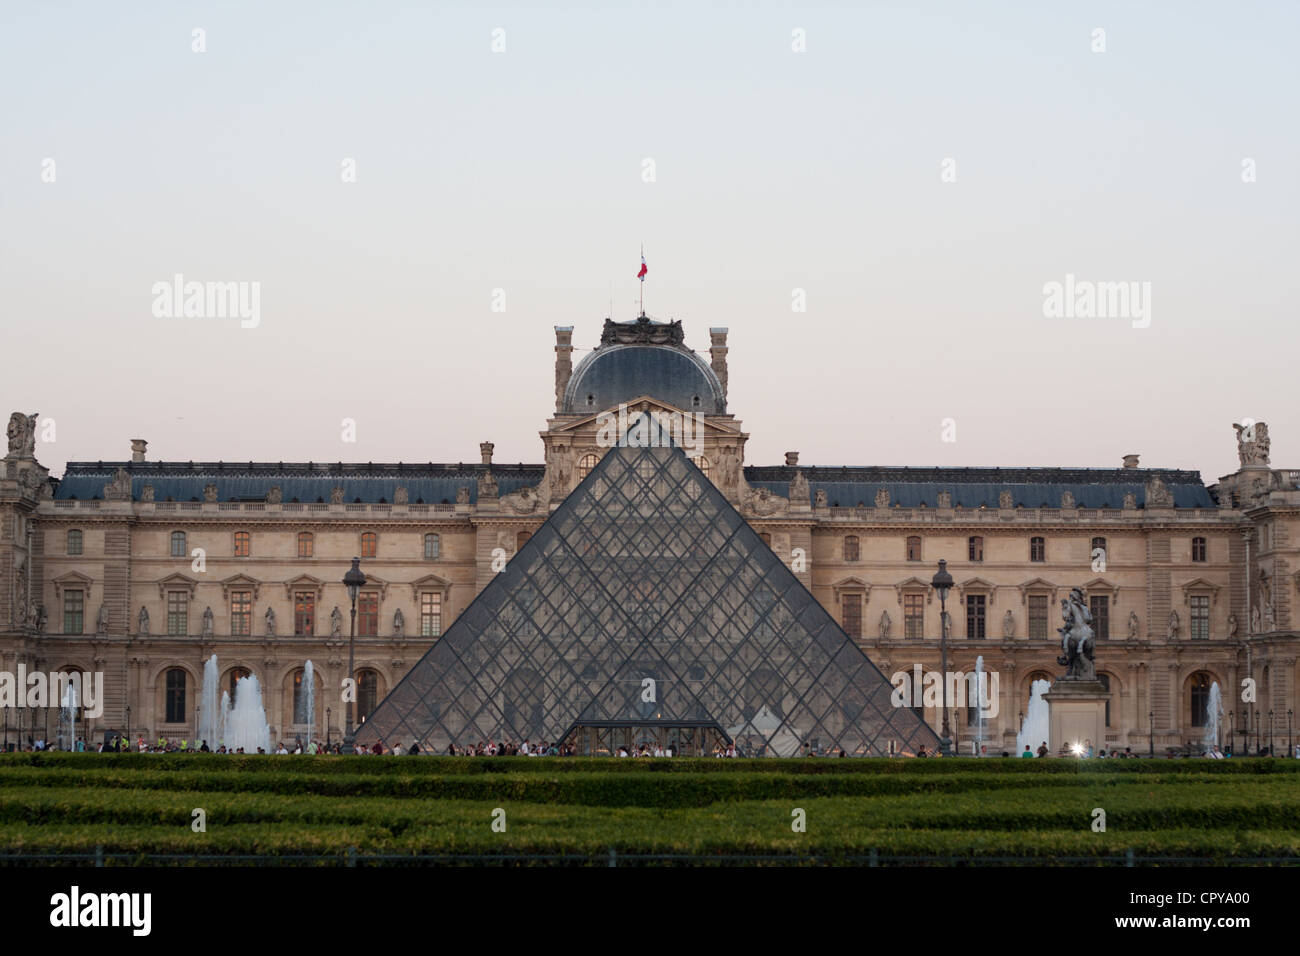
[1168, 160]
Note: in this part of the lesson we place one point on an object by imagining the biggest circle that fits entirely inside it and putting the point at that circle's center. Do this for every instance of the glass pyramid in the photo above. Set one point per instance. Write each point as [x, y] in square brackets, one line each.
[646, 602]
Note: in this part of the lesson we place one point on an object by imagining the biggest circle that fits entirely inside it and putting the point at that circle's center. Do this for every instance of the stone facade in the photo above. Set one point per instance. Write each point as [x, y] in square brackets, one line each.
[1198, 583]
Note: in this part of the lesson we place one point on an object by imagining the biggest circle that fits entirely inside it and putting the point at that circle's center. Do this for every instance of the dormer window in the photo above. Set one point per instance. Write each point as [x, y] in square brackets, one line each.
[695, 402]
[591, 401]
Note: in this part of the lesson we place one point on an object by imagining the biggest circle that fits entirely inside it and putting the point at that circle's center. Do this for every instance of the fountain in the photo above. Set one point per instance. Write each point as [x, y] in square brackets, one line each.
[309, 701]
[225, 717]
[1213, 708]
[1036, 725]
[979, 704]
[208, 714]
[246, 724]
[68, 719]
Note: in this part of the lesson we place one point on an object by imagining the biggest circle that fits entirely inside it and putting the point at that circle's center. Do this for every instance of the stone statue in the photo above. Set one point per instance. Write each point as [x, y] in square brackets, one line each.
[558, 466]
[1133, 625]
[119, 489]
[882, 498]
[1005, 500]
[819, 498]
[1130, 501]
[142, 627]
[101, 622]
[763, 503]
[1173, 626]
[799, 488]
[462, 495]
[401, 496]
[729, 468]
[22, 435]
[336, 622]
[945, 499]
[885, 625]
[41, 619]
[210, 493]
[207, 622]
[487, 486]
[1067, 499]
[270, 622]
[1254, 620]
[399, 623]
[1232, 625]
[522, 502]
[20, 604]
[146, 493]
[1270, 617]
[336, 495]
[1158, 494]
[1076, 638]
[1252, 443]
[1008, 625]
[274, 496]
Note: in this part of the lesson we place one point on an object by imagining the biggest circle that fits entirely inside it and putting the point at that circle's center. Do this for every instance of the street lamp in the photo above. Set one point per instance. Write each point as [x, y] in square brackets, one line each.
[1232, 731]
[1289, 747]
[1151, 734]
[327, 729]
[353, 581]
[1258, 738]
[942, 583]
[1270, 733]
[128, 727]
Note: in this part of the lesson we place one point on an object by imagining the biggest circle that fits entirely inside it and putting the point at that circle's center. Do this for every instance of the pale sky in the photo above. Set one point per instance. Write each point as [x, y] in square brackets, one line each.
[774, 170]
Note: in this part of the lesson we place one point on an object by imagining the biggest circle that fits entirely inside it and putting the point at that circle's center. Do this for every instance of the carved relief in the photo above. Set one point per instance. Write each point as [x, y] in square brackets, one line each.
[462, 495]
[274, 496]
[1067, 499]
[1005, 500]
[819, 498]
[119, 489]
[1158, 494]
[763, 503]
[1130, 501]
[882, 498]
[522, 502]
[945, 499]
[1252, 443]
[401, 496]
[210, 493]
[336, 495]
[146, 493]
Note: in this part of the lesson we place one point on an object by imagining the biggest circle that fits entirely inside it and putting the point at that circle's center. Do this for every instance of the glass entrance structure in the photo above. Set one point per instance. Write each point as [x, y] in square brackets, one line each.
[646, 604]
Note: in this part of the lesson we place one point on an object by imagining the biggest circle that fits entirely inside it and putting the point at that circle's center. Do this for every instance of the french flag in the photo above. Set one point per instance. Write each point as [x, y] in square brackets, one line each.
[641, 275]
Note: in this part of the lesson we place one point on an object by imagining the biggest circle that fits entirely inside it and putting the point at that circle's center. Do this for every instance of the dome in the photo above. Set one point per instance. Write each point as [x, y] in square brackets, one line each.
[619, 373]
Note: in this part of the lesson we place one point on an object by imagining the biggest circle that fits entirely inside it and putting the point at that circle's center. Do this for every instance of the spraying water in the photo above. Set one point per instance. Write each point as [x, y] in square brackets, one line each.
[224, 729]
[209, 716]
[979, 704]
[1212, 708]
[246, 724]
[309, 699]
[1035, 729]
[68, 719]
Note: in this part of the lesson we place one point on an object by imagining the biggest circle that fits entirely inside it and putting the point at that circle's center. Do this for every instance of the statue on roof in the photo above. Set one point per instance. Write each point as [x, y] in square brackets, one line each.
[1252, 442]
[22, 435]
[642, 331]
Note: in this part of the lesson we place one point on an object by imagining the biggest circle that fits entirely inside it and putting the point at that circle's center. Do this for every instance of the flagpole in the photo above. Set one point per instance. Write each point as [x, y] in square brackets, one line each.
[643, 280]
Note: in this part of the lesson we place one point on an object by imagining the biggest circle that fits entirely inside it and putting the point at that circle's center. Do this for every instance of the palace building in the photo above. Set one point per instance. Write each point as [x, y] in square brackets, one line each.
[142, 570]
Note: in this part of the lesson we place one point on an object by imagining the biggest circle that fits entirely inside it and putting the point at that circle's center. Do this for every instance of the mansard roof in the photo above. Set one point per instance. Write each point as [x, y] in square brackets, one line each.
[982, 487]
[370, 482]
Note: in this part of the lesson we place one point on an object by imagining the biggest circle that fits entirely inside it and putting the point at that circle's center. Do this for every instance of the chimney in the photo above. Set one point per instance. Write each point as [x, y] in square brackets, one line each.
[138, 446]
[791, 459]
[1130, 461]
[485, 449]
[563, 363]
[718, 355]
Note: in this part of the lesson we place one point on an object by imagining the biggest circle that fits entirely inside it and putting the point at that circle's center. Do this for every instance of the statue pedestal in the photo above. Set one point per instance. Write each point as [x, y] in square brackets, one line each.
[1076, 713]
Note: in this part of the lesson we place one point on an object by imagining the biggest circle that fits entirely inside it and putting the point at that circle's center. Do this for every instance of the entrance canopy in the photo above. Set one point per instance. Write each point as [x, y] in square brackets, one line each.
[647, 600]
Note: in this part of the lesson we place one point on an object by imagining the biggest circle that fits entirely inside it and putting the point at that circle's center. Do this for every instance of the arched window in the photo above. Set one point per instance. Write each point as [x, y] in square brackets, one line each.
[74, 542]
[851, 552]
[975, 548]
[1098, 554]
[306, 544]
[432, 547]
[914, 548]
[1200, 698]
[702, 463]
[178, 544]
[369, 545]
[587, 463]
[521, 539]
[367, 694]
[243, 544]
[175, 702]
[1198, 549]
[236, 674]
[1037, 549]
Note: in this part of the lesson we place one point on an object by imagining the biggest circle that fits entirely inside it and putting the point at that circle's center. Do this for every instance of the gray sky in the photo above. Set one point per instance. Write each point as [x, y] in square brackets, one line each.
[774, 170]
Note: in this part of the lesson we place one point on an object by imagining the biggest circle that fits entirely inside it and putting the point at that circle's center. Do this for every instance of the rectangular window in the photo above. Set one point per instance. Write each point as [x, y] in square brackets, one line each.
[430, 614]
[1038, 617]
[975, 617]
[304, 613]
[914, 616]
[852, 604]
[1200, 617]
[243, 544]
[74, 612]
[975, 548]
[1037, 549]
[178, 613]
[368, 614]
[1198, 549]
[1100, 607]
[241, 613]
